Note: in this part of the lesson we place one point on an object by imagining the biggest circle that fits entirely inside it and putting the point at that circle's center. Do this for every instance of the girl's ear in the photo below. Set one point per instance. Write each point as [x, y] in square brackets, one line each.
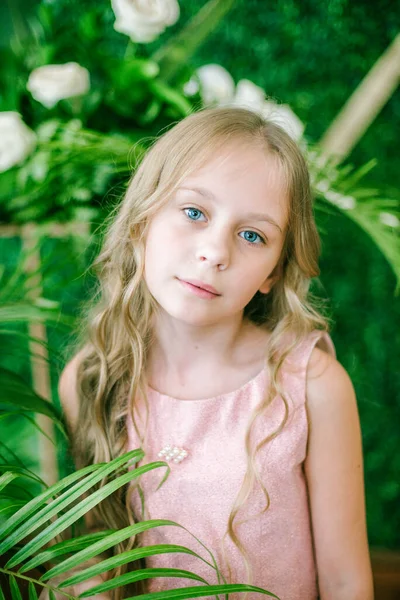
[268, 284]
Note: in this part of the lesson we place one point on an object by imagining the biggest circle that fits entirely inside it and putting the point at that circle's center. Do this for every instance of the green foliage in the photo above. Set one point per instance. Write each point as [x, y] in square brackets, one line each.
[26, 534]
[311, 56]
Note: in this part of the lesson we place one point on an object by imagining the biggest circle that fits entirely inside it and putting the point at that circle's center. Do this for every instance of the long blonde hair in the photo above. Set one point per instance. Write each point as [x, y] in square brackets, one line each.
[118, 334]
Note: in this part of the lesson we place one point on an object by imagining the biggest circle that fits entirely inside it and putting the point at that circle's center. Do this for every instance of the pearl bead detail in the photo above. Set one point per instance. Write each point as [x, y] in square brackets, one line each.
[173, 453]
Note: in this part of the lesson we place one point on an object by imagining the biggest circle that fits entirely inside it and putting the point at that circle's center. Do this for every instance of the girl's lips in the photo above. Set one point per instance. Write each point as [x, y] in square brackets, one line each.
[197, 288]
[203, 286]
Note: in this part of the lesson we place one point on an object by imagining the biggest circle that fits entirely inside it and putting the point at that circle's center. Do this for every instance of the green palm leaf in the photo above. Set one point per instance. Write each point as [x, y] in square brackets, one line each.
[121, 559]
[340, 189]
[17, 395]
[138, 576]
[73, 515]
[6, 478]
[49, 505]
[51, 510]
[124, 558]
[66, 547]
[15, 593]
[32, 592]
[31, 508]
[101, 546]
[201, 591]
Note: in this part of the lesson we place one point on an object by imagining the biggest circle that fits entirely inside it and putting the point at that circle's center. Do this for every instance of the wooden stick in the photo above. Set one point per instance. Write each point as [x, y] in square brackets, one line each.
[40, 362]
[363, 105]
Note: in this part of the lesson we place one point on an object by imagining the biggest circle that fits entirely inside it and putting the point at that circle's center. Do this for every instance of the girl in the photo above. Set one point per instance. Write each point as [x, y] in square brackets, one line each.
[204, 349]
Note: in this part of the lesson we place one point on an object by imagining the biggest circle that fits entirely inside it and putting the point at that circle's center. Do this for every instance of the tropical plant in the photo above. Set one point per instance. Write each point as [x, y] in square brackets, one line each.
[25, 537]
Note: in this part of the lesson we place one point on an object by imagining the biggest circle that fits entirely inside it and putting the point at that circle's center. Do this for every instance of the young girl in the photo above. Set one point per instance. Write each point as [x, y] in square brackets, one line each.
[204, 349]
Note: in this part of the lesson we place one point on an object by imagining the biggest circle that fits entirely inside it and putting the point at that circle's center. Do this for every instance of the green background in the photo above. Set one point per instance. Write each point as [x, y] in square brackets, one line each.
[312, 55]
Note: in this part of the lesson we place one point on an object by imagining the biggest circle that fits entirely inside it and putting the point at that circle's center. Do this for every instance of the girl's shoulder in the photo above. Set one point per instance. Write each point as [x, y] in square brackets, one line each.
[67, 390]
[329, 386]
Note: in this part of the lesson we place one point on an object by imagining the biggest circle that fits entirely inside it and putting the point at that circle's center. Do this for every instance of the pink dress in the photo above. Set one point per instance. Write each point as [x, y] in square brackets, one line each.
[200, 490]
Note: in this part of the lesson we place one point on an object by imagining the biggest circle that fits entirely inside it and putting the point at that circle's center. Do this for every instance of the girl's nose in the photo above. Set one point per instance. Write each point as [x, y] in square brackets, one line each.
[215, 251]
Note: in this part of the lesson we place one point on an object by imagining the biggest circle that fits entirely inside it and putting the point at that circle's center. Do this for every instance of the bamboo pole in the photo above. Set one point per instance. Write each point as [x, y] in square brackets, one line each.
[363, 105]
[39, 358]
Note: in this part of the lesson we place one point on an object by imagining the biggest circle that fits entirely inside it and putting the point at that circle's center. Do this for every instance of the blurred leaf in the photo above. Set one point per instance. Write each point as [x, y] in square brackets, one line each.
[179, 49]
[171, 96]
[17, 395]
[6, 478]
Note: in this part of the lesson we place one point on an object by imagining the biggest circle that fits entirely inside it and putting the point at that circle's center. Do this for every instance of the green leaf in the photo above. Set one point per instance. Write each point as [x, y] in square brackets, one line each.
[2, 597]
[129, 556]
[16, 394]
[171, 96]
[127, 578]
[32, 506]
[32, 592]
[105, 544]
[15, 593]
[22, 472]
[176, 53]
[200, 591]
[93, 474]
[66, 547]
[10, 508]
[7, 478]
[67, 519]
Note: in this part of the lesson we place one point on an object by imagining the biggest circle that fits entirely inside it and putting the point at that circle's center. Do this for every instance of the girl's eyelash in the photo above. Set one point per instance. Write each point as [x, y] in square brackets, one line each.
[200, 212]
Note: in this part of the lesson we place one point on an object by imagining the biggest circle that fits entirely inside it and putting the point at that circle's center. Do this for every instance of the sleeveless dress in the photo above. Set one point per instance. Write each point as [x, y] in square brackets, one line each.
[202, 486]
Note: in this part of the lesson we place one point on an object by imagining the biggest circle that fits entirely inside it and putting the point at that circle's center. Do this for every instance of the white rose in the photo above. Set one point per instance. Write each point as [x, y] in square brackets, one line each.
[282, 115]
[144, 20]
[52, 83]
[216, 83]
[249, 95]
[16, 140]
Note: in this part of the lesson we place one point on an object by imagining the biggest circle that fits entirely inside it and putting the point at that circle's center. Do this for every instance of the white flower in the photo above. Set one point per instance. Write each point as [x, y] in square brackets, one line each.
[389, 219]
[16, 140]
[249, 95]
[218, 87]
[282, 115]
[191, 87]
[216, 84]
[343, 202]
[52, 83]
[144, 20]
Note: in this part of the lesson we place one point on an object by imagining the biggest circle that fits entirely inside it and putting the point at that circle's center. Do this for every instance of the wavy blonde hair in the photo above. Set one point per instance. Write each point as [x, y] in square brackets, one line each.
[116, 342]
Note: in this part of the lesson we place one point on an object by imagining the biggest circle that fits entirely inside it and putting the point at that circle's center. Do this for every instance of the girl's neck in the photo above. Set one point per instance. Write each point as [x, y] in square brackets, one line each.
[181, 353]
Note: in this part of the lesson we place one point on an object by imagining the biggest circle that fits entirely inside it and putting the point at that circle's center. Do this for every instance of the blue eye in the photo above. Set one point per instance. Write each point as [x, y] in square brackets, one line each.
[252, 237]
[193, 214]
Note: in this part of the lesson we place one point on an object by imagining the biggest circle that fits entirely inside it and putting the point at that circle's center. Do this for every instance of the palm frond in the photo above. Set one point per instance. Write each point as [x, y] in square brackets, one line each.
[339, 188]
[55, 509]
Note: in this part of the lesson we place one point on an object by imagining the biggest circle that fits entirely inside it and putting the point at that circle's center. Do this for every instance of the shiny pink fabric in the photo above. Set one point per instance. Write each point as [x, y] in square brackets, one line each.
[200, 491]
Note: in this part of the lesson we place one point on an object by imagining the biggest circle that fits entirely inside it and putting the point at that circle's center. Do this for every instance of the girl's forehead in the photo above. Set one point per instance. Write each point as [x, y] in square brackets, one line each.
[241, 166]
[238, 159]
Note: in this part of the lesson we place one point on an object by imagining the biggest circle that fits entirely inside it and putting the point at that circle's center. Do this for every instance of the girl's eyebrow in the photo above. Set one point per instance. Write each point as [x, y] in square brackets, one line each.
[252, 216]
